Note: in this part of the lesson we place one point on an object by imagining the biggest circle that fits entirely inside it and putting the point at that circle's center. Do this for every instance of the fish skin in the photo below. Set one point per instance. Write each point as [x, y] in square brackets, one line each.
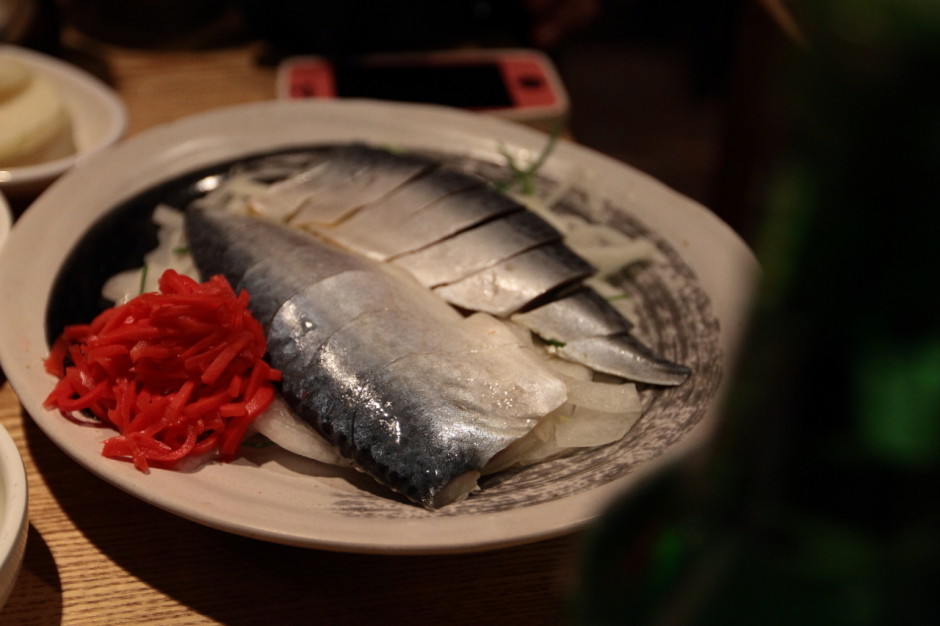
[424, 212]
[624, 355]
[238, 252]
[586, 328]
[384, 370]
[371, 174]
[363, 173]
[514, 283]
[478, 248]
[579, 315]
[451, 215]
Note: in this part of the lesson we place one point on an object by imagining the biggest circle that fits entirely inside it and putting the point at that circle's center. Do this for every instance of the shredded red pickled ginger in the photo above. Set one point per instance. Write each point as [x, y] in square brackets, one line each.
[178, 373]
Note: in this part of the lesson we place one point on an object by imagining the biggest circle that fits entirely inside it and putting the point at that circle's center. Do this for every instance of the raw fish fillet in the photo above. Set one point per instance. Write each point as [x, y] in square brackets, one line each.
[408, 390]
[474, 246]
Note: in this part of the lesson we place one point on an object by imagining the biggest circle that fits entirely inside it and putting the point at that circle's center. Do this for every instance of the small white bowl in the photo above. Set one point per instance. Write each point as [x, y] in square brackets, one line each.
[99, 119]
[14, 523]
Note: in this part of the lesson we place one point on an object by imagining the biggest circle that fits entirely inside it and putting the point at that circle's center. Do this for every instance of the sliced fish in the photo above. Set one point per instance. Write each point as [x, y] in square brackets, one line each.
[404, 387]
[478, 248]
[512, 284]
[274, 278]
[405, 222]
[579, 315]
[586, 328]
[474, 246]
[331, 190]
[623, 355]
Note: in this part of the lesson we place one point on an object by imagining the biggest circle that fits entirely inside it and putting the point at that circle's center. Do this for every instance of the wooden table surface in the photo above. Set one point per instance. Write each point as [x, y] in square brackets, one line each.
[96, 555]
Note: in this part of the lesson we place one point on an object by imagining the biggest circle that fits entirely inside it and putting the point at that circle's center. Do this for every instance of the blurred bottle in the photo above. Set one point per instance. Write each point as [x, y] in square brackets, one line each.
[818, 502]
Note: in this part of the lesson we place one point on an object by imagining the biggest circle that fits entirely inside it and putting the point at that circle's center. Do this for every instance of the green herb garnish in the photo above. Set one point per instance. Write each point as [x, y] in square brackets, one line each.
[525, 177]
[143, 278]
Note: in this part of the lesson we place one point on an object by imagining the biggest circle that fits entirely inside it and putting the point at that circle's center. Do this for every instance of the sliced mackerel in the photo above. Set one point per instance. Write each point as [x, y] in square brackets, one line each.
[407, 389]
[512, 284]
[333, 189]
[385, 229]
[479, 248]
[474, 246]
[576, 316]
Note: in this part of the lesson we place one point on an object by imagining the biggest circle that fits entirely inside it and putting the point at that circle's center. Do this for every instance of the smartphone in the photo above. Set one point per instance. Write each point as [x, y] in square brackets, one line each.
[518, 84]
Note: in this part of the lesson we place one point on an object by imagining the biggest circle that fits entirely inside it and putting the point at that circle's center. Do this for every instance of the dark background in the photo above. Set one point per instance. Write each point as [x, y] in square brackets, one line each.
[677, 89]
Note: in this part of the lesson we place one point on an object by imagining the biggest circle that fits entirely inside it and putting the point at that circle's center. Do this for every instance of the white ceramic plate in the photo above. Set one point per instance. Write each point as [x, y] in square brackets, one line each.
[13, 514]
[692, 304]
[99, 119]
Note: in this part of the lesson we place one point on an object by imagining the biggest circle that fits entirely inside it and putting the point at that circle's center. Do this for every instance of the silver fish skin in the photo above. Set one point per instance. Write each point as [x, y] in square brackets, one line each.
[514, 283]
[478, 248]
[579, 315]
[239, 251]
[419, 214]
[473, 246]
[624, 355]
[360, 173]
[586, 328]
[408, 390]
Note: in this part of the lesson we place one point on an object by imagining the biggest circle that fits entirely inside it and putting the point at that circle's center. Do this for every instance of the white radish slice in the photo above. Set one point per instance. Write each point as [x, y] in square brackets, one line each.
[537, 443]
[608, 397]
[282, 426]
[587, 428]
[569, 369]
[602, 413]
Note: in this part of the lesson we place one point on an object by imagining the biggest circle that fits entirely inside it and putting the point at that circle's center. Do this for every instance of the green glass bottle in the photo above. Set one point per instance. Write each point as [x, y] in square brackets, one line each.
[819, 500]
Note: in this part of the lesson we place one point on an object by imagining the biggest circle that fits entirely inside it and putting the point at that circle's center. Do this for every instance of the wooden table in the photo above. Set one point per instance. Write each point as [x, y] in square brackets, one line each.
[96, 555]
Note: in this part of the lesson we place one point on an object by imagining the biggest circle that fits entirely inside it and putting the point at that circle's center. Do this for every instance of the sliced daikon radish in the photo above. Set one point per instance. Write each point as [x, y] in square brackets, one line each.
[282, 426]
[569, 369]
[603, 413]
[587, 428]
[609, 397]
[538, 443]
